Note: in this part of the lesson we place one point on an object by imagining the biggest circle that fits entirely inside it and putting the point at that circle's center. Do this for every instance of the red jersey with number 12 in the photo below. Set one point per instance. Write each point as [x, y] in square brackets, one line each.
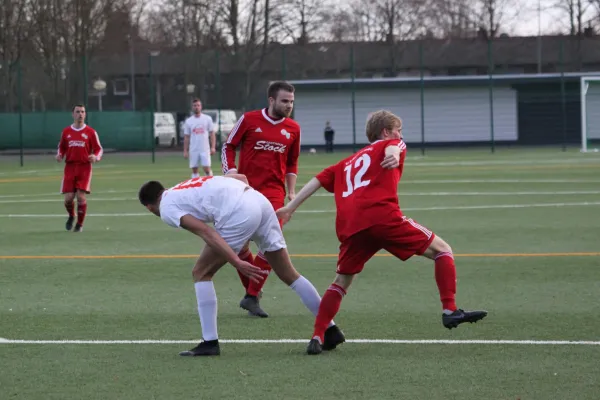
[365, 192]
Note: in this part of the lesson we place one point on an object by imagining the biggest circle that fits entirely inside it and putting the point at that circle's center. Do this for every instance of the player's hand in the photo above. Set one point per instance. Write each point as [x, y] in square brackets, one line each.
[58, 158]
[291, 196]
[252, 272]
[185, 154]
[284, 215]
[391, 161]
[92, 158]
[212, 151]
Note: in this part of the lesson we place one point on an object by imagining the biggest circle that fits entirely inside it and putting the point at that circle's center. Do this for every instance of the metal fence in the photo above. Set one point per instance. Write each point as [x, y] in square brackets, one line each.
[39, 92]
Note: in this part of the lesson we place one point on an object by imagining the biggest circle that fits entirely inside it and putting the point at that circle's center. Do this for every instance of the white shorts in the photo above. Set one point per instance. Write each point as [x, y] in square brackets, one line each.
[199, 158]
[253, 219]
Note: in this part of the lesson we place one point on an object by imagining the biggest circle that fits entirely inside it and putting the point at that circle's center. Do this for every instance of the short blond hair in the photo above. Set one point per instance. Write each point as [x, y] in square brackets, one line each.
[380, 120]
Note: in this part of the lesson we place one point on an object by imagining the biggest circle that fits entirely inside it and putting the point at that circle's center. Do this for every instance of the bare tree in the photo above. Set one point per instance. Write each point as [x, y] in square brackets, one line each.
[450, 19]
[14, 31]
[495, 16]
[302, 20]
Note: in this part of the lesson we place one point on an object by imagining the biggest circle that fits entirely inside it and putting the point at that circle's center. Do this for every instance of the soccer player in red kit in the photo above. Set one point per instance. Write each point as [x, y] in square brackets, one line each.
[369, 219]
[269, 145]
[80, 147]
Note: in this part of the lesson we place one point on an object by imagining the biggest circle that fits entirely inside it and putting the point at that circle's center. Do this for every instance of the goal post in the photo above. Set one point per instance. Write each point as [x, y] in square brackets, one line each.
[590, 113]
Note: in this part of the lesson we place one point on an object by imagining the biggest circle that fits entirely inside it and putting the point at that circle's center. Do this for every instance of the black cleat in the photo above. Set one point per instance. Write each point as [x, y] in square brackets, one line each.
[78, 228]
[459, 316]
[314, 347]
[251, 304]
[210, 348]
[69, 224]
[333, 337]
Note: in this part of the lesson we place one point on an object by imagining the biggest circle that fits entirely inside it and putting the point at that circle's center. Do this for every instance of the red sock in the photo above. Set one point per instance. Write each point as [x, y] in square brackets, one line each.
[248, 257]
[81, 210]
[70, 208]
[255, 288]
[445, 277]
[329, 307]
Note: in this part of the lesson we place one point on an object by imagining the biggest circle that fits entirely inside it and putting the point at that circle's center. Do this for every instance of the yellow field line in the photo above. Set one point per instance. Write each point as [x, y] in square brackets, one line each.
[149, 256]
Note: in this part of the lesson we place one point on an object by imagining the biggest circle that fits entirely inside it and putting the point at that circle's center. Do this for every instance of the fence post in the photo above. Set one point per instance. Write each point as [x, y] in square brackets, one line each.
[85, 82]
[20, 89]
[352, 76]
[283, 63]
[491, 90]
[422, 86]
[563, 95]
[218, 89]
[152, 95]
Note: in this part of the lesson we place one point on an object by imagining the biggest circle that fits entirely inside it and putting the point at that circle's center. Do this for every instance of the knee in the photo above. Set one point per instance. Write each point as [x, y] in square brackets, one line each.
[442, 247]
[81, 198]
[201, 273]
[343, 281]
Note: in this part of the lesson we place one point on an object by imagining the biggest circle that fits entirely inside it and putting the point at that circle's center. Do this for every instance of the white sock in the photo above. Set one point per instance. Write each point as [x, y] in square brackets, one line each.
[308, 294]
[207, 309]
[195, 175]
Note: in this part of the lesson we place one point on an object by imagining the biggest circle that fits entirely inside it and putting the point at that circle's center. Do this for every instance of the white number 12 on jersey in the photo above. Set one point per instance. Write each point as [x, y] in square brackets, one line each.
[364, 162]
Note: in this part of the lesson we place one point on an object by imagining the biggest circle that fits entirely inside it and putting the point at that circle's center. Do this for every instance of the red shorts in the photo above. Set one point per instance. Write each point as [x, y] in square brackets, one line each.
[401, 236]
[76, 177]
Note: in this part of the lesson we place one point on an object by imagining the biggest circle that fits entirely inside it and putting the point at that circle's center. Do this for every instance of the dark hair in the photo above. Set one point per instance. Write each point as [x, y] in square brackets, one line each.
[276, 86]
[77, 105]
[196, 100]
[150, 192]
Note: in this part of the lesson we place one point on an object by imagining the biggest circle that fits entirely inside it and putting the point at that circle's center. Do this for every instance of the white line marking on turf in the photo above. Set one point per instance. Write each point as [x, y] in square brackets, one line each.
[483, 207]
[3, 340]
[358, 341]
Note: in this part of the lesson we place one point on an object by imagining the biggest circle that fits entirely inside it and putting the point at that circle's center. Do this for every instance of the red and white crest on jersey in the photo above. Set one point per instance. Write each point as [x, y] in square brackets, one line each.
[269, 150]
[365, 192]
[77, 144]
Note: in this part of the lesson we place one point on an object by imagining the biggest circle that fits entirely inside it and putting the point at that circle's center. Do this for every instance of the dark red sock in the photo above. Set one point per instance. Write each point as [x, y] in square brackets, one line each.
[255, 288]
[70, 208]
[81, 210]
[445, 277]
[248, 257]
[329, 307]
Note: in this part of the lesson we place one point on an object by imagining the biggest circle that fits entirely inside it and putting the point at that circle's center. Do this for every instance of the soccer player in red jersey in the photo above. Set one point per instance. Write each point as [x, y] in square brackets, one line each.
[369, 219]
[269, 146]
[80, 147]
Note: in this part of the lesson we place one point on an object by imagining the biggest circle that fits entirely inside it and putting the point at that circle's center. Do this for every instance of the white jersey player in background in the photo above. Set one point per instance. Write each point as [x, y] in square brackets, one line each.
[239, 214]
[196, 145]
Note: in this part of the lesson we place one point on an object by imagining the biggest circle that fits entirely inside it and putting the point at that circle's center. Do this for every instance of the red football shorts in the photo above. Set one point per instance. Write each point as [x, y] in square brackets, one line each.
[77, 177]
[400, 236]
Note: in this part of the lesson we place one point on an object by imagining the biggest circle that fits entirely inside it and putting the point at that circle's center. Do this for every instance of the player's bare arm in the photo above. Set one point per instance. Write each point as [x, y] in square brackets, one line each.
[186, 146]
[212, 239]
[290, 181]
[285, 213]
[392, 157]
[213, 143]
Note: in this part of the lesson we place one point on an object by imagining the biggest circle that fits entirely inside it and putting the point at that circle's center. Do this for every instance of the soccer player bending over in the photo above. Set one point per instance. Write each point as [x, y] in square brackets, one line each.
[80, 147]
[369, 219]
[239, 214]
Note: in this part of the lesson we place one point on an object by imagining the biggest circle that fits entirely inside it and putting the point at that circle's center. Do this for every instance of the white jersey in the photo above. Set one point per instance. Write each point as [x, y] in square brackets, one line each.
[198, 129]
[208, 198]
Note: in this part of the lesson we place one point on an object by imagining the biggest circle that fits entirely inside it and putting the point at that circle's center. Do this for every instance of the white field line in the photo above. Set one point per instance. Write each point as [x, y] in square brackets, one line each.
[356, 341]
[482, 207]
[325, 194]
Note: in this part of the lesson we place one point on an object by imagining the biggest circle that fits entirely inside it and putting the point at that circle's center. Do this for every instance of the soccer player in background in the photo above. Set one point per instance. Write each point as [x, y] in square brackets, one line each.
[239, 214]
[369, 219]
[80, 147]
[269, 146]
[196, 145]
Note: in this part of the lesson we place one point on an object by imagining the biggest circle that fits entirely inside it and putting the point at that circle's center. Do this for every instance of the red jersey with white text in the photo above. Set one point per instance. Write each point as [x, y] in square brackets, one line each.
[366, 194]
[269, 150]
[77, 144]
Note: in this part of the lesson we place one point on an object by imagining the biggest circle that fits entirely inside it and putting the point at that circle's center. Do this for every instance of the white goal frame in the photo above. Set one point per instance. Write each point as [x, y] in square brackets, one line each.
[583, 88]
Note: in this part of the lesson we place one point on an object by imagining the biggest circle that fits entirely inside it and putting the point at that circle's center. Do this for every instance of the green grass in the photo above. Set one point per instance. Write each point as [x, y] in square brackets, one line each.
[488, 207]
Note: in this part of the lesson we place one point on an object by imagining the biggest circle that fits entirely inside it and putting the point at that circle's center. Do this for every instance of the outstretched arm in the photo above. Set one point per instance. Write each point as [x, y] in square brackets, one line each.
[285, 213]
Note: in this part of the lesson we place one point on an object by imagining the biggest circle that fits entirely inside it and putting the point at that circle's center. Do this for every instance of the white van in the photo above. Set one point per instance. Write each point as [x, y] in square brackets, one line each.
[227, 121]
[165, 129]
